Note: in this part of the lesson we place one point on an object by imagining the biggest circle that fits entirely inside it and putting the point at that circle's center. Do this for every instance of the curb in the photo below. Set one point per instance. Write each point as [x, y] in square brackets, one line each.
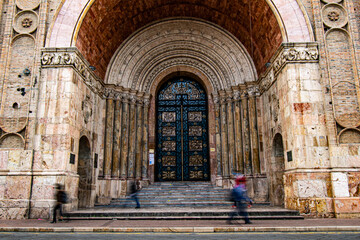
[182, 229]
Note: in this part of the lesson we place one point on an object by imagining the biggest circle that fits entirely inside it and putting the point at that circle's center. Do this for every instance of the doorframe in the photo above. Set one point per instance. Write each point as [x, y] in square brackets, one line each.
[201, 78]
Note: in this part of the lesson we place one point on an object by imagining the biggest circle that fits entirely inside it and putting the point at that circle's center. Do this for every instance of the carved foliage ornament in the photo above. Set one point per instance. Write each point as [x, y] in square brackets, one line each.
[70, 58]
[295, 54]
[291, 54]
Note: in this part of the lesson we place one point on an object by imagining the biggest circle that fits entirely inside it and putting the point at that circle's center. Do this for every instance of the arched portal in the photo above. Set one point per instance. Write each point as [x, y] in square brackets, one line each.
[182, 131]
[277, 167]
[85, 173]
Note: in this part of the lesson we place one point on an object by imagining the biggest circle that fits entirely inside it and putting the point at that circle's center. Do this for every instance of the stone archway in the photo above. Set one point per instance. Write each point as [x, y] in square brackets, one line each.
[85, 168]
[277, 167]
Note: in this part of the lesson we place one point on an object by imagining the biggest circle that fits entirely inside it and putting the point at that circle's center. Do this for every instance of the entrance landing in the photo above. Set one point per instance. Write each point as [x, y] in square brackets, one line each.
[180, 201]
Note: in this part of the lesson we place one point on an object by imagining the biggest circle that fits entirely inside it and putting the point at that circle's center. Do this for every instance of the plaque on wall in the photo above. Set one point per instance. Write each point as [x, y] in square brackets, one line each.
[96, 160]
[289, 156]
[72, 158]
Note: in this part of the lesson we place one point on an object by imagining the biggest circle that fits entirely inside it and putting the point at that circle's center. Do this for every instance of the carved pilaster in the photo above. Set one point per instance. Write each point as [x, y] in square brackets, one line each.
[216, 100]
[145, 137]
[108, 137]
[224, 140]
[132, 136]
[253, 129]
[124, 136]
[230, 132]
[117, 139]
[239, 161]
[246, 134]
[139, 136]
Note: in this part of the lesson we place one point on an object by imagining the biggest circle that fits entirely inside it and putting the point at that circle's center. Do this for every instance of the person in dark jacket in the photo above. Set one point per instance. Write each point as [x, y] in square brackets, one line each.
[133, 194]
[241, 199]
[61, 198]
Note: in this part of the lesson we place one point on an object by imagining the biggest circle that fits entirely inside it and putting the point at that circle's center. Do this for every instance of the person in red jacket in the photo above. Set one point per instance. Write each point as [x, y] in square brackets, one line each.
[240, 197]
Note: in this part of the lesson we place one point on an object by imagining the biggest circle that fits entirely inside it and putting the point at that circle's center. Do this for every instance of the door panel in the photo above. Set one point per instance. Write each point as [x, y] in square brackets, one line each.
[182, 137]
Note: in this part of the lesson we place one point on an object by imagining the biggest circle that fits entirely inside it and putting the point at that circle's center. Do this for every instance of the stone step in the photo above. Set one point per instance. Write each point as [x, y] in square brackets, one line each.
[209, 213]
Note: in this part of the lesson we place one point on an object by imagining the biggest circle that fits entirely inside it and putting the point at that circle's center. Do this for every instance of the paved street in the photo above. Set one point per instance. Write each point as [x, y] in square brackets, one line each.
[181, 236]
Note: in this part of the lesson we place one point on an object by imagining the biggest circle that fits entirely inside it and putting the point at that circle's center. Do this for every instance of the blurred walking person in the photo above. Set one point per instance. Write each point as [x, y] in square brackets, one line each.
[61, 198]
[134, 193]
[241, 199]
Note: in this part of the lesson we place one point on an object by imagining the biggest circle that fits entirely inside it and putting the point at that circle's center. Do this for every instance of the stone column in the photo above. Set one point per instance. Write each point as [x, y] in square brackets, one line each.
[117, 139]
[224, 142]
[139, 137]
[145, 149]
[217, 135]
[230, 132]
[239, 160]
[132, 136]
[254, 140]
[124, 136]
[246, 134]
[108, 137]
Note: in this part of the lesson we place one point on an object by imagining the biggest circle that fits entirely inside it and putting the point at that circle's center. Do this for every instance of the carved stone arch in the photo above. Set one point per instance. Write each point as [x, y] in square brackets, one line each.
[188, 42]
[189, 63]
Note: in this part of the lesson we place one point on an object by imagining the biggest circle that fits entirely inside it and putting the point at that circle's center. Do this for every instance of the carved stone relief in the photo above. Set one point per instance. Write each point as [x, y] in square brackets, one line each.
[289, 54]
[26, 22]
[86, 107]
[334, 16]
[226, 63]
[71, 57]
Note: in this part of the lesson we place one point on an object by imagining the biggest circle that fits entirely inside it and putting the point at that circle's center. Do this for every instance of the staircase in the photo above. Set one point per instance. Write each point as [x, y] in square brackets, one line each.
[180, 201]
[178, 194]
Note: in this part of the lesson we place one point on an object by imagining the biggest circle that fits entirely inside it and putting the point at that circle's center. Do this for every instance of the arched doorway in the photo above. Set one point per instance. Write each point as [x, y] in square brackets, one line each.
[277, 168]
[182, 152]
[85, 173]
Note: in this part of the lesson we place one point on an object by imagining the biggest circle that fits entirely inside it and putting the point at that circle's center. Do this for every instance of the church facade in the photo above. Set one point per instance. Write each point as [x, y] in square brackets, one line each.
[97, 94]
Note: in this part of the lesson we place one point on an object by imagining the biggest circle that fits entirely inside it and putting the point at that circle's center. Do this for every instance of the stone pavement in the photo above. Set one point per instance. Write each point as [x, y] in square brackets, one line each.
[307, 225]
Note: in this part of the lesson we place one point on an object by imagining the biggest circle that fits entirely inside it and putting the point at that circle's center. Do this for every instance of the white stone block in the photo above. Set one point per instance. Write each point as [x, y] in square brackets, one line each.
[340, 184]
[311, 188]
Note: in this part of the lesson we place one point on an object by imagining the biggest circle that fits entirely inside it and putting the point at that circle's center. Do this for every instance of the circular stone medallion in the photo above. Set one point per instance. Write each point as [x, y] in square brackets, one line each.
[27, 4]
[332, 1]
[334, 16]
[26, 22]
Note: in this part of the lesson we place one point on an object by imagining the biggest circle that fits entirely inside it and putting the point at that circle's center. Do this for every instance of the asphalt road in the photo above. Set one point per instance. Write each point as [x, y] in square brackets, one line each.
[181, 236]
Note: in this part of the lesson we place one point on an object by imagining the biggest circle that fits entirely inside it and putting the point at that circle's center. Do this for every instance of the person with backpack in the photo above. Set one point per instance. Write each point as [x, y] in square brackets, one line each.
[61, 198]
[240, 197]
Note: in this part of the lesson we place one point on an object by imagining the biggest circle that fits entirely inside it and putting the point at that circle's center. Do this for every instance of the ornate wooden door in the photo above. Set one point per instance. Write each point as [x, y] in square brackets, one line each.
[182, 132]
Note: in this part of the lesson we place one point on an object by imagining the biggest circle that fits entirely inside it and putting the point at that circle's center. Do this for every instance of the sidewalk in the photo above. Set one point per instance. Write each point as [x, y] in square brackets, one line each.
[307, 225]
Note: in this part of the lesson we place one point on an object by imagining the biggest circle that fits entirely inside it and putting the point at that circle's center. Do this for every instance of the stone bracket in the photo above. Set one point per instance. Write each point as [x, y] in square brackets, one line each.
[71, 57]
[288, 53]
